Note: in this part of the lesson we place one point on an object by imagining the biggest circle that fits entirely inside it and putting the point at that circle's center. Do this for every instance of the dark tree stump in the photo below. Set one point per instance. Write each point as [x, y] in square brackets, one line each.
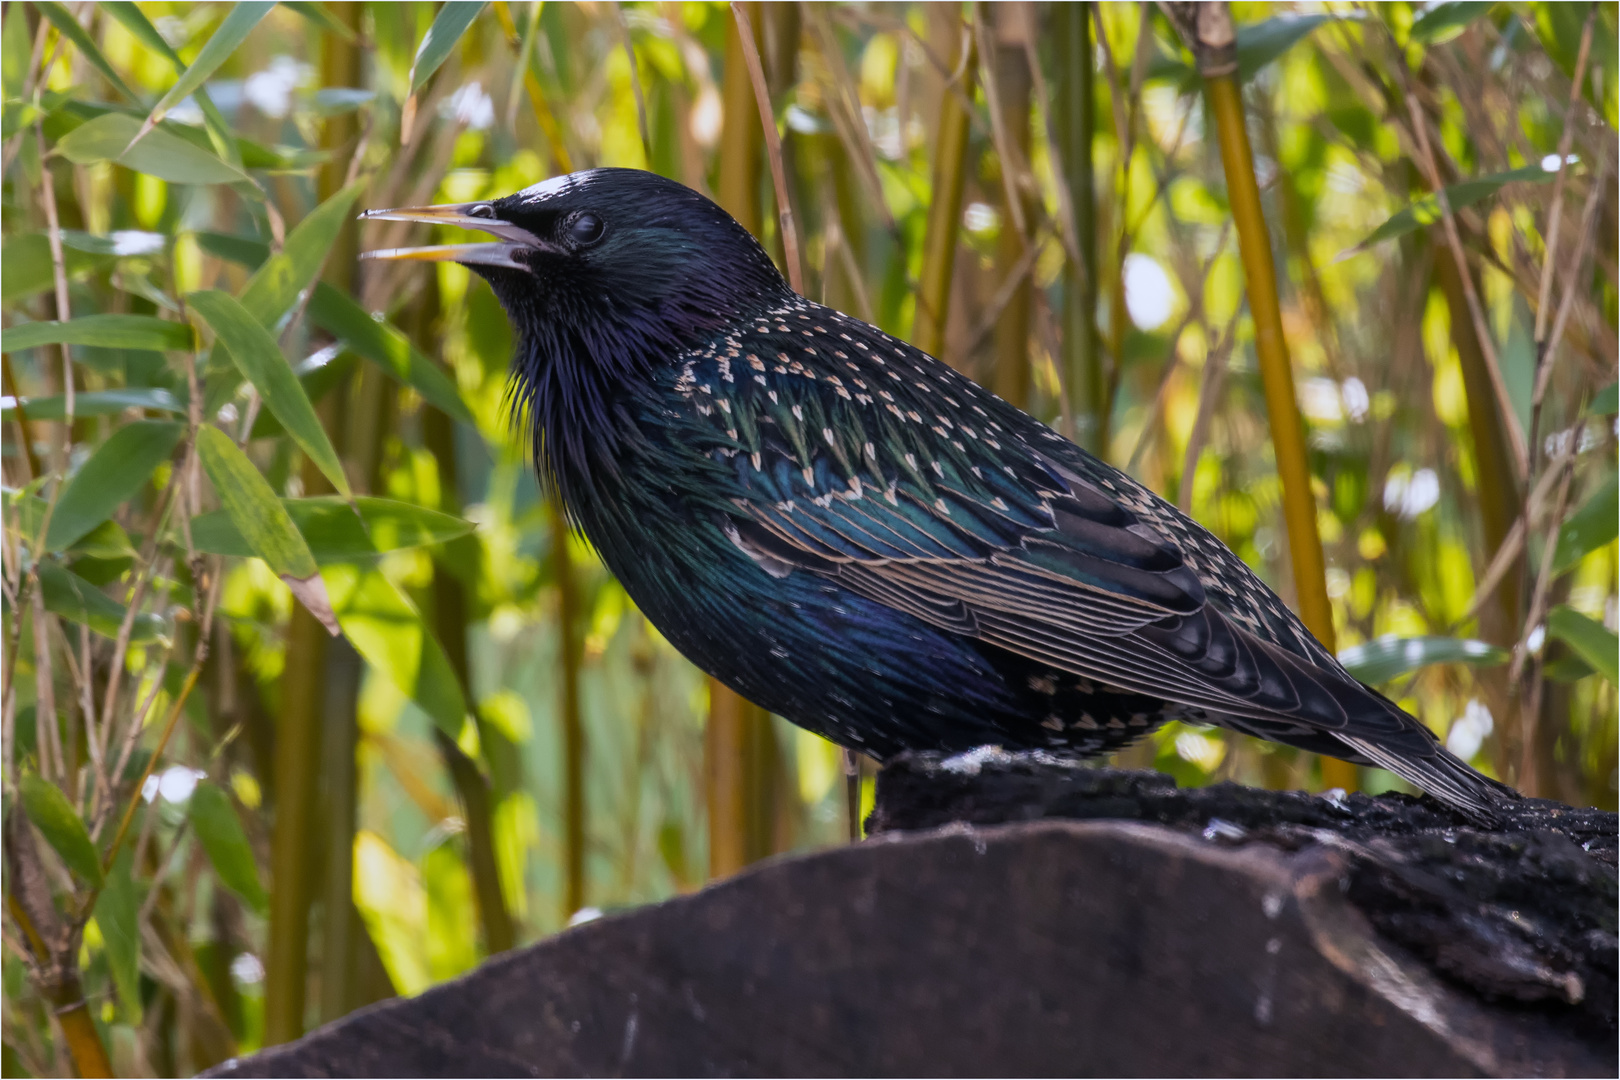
[1221, 931]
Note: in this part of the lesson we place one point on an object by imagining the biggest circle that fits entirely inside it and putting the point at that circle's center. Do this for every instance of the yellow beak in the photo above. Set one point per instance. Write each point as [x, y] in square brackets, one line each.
[504, 252]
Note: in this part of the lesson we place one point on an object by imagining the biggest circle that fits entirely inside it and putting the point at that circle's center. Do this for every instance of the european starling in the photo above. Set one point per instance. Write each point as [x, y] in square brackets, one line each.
[859, 538]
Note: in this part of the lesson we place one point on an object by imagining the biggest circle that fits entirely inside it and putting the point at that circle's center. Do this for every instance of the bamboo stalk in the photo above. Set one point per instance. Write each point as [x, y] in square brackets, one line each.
[730, 735]
[843, 104]
[949, 177]
[1476, 311]
[1076, 109]
[724, 742]
[82, 1038]
[52, 946]
[367, 422]
[297, 770]
[450, 617]
[537, 98]
[1555, 214]
[1498, 490]
[1214, 42]
[573, 725]
[1009, 86]
[303, 721]
[635, 85]
[746, 38]
[741, 136]
[1125, 101]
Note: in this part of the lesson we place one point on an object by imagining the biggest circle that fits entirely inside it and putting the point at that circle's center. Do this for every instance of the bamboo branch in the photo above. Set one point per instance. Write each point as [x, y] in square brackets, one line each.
[1482, 330]
[845, 107]
[537, 98]
[1072, 145]
[1007, 87]
[773, 148]
[1555, 215]
[635, 84]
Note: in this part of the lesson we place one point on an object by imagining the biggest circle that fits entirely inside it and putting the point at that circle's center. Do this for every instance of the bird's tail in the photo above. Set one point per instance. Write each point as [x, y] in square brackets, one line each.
[1446, 777]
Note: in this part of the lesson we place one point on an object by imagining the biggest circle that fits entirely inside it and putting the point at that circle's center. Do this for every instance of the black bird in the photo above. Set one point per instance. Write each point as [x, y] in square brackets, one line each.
[859, 538]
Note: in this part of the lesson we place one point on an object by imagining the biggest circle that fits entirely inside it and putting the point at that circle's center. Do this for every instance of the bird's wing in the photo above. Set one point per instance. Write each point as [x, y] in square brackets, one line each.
[858, 457]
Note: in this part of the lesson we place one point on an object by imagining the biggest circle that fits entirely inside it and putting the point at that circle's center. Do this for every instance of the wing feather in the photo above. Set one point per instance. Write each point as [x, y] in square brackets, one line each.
[933, 497]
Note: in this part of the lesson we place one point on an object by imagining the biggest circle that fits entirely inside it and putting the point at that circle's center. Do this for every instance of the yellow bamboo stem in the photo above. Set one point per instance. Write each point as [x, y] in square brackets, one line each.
[83, 1041]
[1215, 46]
[773, 146]
[297, 770]
[733, 781]
[1276, 371]
[573, 724]
[945, 209]
[1084, 380]
[537, 98]
[1009, 75]
[450, 610]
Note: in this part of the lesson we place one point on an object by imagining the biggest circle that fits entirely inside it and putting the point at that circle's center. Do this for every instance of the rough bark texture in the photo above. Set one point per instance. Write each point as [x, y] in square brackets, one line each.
[1221, 931]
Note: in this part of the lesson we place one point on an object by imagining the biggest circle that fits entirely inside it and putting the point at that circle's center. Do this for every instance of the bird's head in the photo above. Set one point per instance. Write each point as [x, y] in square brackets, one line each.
[605, 274]
[587, 262]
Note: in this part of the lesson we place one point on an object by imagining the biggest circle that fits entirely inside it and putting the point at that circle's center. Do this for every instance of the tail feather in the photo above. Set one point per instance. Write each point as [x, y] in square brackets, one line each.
[1446, 777]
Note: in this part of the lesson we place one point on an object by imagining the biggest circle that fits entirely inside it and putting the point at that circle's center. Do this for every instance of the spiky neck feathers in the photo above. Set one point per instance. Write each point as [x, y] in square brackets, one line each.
[662, 269]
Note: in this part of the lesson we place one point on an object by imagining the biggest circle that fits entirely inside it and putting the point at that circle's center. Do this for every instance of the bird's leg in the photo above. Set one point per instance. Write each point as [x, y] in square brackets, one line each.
[852, 793]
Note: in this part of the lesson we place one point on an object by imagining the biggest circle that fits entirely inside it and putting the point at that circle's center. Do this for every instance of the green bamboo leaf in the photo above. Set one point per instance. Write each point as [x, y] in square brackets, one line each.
[106, 541]
[261, 520]
[389, 633]
[218, 828]
[111, 477]
[1591, 640]
[259, 358]
[1606, 402]
[275, 287]
[280, 279]
[1445, 21]
[57, 821]
[160, 153]
[142, 30]
[1258, 44]
[448, 26]
[117, 914]
[1377, 662]
[16, 50]
[247, 251]
[98, 402]
[1596, 523]
[231, 33]
[1426, 209]
[334, 534]
[70, 596]
[320, 16]
[386, 347]
[26, 269]
[136, 22]
[69, 27]
[102, 331]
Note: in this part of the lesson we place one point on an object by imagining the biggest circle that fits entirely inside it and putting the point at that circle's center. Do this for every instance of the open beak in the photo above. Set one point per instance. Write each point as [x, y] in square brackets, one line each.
[503, 252]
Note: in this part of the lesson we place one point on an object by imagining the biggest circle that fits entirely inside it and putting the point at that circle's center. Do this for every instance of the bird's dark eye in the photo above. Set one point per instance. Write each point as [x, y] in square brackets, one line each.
[482, 210]
[585, 229]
